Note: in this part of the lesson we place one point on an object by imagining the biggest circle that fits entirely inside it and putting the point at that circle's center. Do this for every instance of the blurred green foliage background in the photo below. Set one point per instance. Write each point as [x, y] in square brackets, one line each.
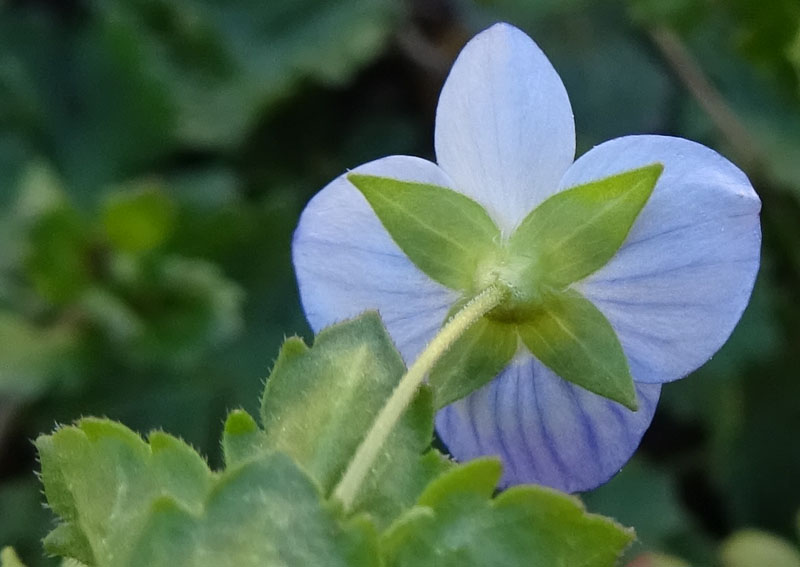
[155, 156]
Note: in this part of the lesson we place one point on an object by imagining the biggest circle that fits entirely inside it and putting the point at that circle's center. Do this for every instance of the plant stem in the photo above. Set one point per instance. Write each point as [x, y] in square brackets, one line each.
[406, 389]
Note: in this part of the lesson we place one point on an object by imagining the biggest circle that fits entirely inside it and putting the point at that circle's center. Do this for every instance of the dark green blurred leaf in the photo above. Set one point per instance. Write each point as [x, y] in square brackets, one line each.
[24, 521]
[644, 497]
[139, 218]
[31, 357]
[59, 262]
[223, 64]
[767, 34]
[657, 560]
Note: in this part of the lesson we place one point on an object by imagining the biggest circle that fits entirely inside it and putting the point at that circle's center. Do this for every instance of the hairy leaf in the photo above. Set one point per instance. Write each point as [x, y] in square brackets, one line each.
[457, 523]
[266, 512]
[320, 402]
[101, 479]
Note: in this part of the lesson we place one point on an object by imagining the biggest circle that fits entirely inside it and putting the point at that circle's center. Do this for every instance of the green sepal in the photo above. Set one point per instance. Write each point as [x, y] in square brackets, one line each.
[446, 234]
[577, 231]
[575, 340]
[474, 359]
[457, 523]
[319, 403]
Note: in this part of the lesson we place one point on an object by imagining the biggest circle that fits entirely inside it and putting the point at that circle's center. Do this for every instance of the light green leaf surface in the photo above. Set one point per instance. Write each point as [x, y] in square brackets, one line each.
[577, 231]
[266, 512]
[123, 502]
[242, 439]
[753, 548]
[446, 234]
[476, 358]
[320, 402]
[575, 340]
[8, 558]
[101, 479]
[457, 524]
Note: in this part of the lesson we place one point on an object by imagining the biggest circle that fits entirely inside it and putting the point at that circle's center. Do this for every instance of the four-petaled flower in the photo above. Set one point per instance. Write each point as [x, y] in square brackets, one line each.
[505, 137]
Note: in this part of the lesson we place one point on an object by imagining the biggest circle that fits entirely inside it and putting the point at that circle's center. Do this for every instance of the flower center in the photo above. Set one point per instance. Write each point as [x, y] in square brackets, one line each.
[518, 275]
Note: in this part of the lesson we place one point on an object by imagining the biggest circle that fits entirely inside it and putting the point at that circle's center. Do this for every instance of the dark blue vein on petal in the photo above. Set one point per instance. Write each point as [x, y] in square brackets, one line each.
[690, 266]
[588, 426]
[682, 227]
[470, 417]
[497, 414]
[531, 459]
[417, 313]
[339, 246]
[563, 470]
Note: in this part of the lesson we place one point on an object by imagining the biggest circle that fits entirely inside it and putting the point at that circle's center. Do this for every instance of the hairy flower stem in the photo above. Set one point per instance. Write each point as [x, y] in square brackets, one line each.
[404, 393]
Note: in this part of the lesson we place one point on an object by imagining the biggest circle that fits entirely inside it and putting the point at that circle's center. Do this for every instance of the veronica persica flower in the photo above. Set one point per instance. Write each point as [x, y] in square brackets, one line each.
[625, 269]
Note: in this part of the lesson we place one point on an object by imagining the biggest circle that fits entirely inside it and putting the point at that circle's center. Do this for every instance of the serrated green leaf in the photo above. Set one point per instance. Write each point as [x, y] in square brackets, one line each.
[67, 540]
[446, 234]
[8, 558]
[403, 471]
[753, 548]
[320, 402]
[266, 512]
[458, 524]
[101, 479]
[577, 231]
[474, 359]
[575, 340]
[139, 218]
[242, 439]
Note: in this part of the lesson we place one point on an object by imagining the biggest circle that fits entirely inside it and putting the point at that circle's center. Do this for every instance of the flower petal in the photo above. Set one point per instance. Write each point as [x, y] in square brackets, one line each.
[347, 263]
[505, 132]
[678, 286]
[546, 430]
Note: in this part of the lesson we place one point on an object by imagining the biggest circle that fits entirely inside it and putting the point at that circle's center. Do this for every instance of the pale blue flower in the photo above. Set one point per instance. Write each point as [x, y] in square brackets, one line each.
[505, 137]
